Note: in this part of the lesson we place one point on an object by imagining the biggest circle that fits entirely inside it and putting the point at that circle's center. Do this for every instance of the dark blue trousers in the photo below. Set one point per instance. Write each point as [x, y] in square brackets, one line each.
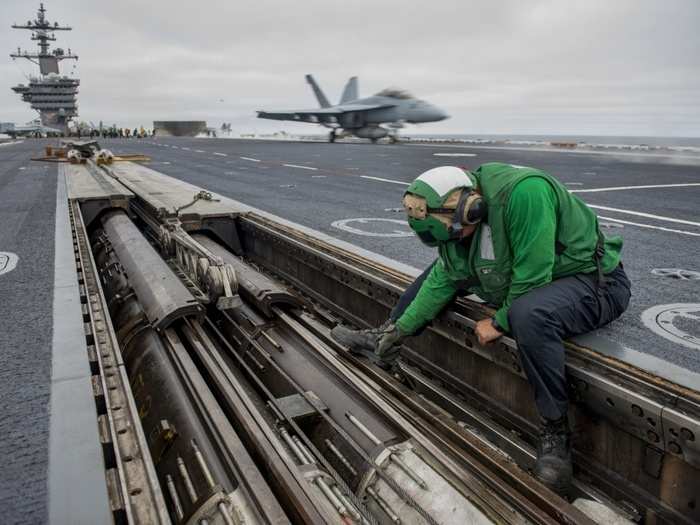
[543, 317]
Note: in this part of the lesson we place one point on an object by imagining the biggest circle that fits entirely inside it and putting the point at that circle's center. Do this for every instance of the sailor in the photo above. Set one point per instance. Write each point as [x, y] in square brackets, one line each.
[517, 238]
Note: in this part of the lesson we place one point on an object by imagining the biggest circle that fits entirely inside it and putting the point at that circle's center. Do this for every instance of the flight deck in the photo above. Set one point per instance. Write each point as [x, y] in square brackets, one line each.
[190, 300]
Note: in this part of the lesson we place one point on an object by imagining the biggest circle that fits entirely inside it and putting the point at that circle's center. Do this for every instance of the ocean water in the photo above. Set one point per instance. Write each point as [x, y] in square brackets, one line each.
[604, 140]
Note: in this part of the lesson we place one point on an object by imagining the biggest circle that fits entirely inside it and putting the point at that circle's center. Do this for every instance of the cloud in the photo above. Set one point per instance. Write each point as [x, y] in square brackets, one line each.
[623, 67]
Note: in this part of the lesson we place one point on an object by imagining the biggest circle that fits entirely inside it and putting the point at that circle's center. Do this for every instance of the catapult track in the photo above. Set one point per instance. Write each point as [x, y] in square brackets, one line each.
[267, 420]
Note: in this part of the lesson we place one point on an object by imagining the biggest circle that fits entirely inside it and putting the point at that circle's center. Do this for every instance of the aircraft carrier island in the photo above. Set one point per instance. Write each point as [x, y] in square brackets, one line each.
[51, 94]
[167, 354]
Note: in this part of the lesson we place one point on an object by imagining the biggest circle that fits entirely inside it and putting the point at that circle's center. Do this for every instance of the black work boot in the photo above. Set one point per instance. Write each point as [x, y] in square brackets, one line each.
[553, 467]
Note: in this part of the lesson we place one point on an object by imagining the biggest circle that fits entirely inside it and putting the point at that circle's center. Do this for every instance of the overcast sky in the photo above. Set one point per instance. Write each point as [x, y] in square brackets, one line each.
[622, 67]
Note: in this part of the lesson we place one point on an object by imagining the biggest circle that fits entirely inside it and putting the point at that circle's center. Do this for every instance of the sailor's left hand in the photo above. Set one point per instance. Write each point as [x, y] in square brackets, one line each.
[486, 332]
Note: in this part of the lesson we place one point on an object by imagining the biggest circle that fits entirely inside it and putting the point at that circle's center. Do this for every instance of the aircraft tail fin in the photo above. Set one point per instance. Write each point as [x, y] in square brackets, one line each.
[350, 92]
[317, 91]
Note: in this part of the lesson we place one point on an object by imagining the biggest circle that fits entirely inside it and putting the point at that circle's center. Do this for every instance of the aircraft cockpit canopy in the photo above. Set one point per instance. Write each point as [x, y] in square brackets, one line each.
[395, 93]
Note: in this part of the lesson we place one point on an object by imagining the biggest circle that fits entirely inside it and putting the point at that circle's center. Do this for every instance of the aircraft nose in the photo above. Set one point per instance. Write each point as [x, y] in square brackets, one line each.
[440, 114]
[434, 114]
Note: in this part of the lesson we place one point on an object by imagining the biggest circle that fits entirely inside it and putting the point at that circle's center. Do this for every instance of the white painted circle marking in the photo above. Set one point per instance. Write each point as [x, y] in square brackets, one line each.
[677, 273]
[343, 225]
[380, 179]
[8, 261]
[660, 320]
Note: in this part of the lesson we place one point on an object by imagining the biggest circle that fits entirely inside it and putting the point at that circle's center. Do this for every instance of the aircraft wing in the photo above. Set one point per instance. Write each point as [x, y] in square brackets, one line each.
[318, 114]
[34, 129]
[299, 114]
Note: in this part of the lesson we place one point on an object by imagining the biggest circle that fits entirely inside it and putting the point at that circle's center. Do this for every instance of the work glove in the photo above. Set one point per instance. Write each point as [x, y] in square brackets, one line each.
[389, 345]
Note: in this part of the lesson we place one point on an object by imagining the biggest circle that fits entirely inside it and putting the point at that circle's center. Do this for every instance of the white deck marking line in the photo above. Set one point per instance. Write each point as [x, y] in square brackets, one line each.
[694, 234]
[176, 147]
[385, 180]
[220, 154]
[183, 147]
[647, 186]
[250, 159]
[300, 167]
[670, 154]
[199, 150]
[454, 154]
[642, 214]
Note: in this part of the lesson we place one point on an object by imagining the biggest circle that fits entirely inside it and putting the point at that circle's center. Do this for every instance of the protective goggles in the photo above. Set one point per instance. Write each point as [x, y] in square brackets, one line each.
[464, 211]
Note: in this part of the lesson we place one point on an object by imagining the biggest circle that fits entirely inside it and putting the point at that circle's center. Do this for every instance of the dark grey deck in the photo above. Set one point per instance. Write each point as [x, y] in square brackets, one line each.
[27, 212]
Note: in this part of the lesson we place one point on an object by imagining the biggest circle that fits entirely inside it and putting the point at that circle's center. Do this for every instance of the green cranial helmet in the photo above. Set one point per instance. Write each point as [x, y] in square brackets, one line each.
[433, 192]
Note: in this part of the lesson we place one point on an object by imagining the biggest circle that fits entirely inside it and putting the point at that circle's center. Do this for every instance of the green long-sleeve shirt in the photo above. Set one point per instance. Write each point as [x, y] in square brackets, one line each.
[531, 221]
[532, 242]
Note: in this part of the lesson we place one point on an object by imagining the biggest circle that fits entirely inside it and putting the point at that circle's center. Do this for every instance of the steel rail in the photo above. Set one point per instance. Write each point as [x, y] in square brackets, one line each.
[250, 480]
[140, 493]
[268, 446]
[277, 409]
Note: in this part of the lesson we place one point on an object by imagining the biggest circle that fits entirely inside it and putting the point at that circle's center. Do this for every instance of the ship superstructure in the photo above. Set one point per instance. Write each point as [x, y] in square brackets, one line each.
[51, 94]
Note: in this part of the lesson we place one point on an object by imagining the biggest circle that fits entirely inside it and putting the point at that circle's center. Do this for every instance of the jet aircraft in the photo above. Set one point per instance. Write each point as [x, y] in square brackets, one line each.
[362, 117]
[31, 129]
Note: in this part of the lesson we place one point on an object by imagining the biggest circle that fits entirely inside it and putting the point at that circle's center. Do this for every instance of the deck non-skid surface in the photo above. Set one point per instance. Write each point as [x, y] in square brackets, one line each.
[27, 214]
[353, 192]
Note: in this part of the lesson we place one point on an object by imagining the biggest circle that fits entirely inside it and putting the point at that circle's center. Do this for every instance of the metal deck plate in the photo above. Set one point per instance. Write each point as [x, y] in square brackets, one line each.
[93, 184]
[168, 194]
